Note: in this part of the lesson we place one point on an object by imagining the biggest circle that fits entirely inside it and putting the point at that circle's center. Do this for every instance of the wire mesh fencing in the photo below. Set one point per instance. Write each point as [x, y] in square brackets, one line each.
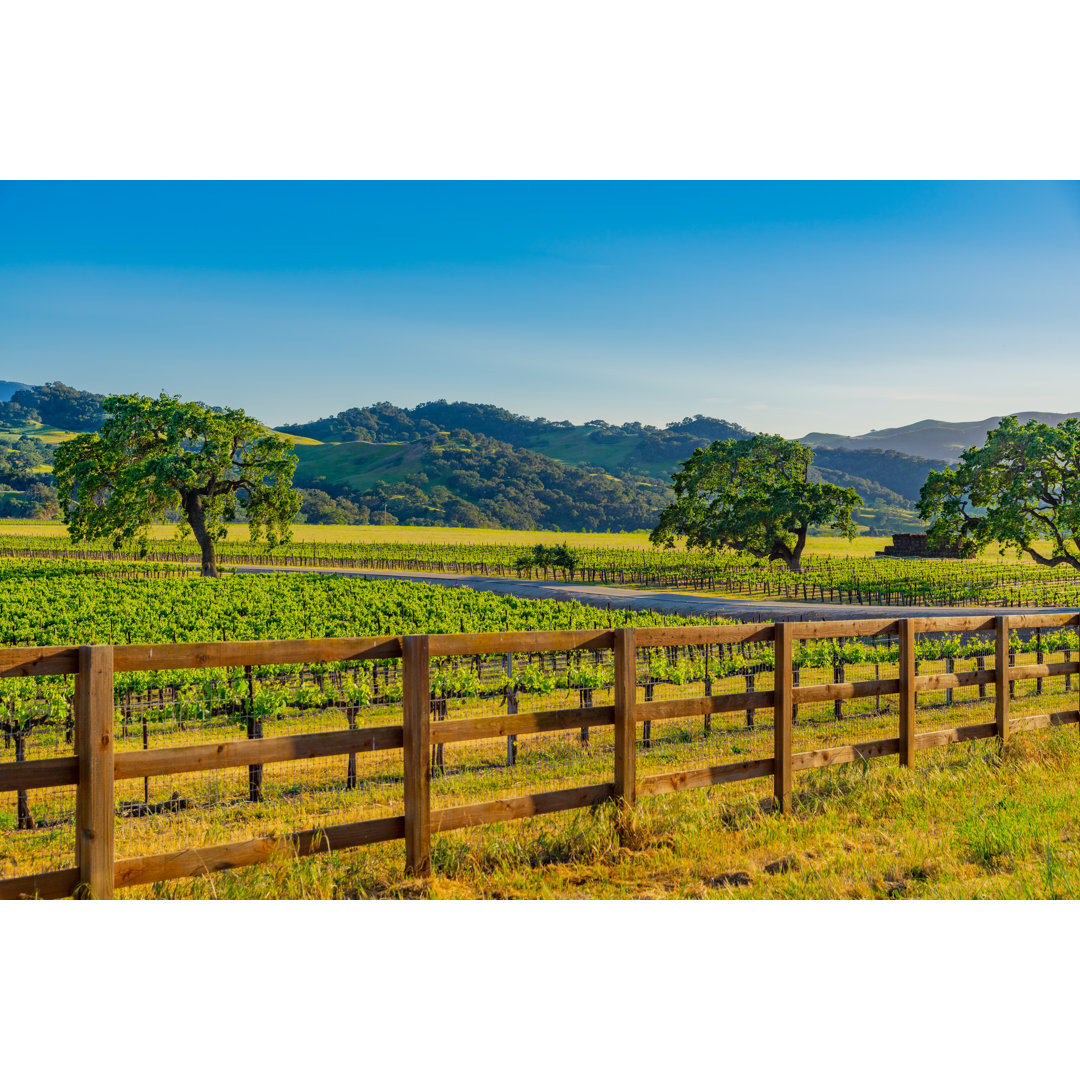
[863, 713]
[168, 710]
[513, 685]
[37, 824]
[1051, 693]
[737, 731]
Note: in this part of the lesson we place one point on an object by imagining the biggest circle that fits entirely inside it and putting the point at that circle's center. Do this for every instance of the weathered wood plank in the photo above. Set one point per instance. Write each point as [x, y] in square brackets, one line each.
[803, 695]
[944, 737]
[94, 806]
[650, 637]
[953, 624]
[944, 681]
[1001, 676]
[194, 861]
[1042, 671]
[1042, 618]
[48, 885]
[1044, 720]
[238, 752]
[213, 654]
[835, 628]
[842, 755]
[907, 693]
[495, 725]
[728, 773]
[520, 642]
[45, 772]
[625, 716]
[48, 660]
[547, 802]
[670, 708]
[416, 704]
[783, 696]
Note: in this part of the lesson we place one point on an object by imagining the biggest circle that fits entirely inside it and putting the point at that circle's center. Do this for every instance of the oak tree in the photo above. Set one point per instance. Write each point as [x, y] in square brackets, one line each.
[753, 495]
[155, 455]
[1020, 489]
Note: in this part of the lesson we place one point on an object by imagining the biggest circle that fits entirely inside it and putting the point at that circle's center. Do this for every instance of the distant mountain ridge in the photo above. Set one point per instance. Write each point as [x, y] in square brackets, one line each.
[9, 388]
[942, 439]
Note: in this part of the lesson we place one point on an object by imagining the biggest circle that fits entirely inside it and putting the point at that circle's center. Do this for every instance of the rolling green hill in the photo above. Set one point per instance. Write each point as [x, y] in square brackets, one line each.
[473, 480]
[632, 447]
[385, 443]
[462, 463]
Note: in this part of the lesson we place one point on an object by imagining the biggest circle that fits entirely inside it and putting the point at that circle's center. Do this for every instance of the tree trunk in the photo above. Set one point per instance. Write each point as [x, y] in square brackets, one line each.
[794, 560]
[24, 819]
[197, 520]
[350, 775]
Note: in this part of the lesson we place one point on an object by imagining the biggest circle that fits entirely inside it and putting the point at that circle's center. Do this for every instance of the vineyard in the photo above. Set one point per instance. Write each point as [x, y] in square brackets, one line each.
[520, 702]
[823, 579]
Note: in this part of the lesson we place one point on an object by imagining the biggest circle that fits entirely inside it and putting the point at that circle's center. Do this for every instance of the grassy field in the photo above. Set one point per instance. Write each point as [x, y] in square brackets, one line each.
[967, 822]
[416, 534]
[51, 436]
[862, 546]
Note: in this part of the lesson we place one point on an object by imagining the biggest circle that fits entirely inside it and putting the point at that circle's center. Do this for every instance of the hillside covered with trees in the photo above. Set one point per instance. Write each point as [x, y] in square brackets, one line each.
[464, 463]
[381, 455]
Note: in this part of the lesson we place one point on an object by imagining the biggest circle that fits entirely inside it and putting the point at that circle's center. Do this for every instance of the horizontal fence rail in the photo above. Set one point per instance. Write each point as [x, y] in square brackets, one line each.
[96, 765]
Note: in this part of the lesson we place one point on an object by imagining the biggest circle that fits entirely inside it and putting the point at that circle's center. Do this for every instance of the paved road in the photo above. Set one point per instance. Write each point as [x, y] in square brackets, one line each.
[665, 603]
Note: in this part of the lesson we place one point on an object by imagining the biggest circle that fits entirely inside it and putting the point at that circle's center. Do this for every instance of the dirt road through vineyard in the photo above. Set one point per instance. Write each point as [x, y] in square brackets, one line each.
[664, 603]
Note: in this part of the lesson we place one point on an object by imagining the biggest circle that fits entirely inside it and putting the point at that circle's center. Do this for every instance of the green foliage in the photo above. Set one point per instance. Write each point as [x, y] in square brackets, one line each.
[25, 490]
[473, 481]
[1022, 486]
[152, 456]
[55, 405]
[319, 508]
[542, 557]
[753, 495]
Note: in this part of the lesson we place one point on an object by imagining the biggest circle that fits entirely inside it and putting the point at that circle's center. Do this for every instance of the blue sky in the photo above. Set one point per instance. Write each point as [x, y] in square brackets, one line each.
[787, 307]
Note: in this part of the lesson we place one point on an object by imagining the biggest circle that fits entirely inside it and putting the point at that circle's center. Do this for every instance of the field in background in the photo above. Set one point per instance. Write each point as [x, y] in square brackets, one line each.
[862, 546]
[414, 534]
[382, 534]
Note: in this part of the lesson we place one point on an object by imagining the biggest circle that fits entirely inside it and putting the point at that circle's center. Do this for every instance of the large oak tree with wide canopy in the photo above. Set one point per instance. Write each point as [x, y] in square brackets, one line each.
[1021, 489]
[755, 496]
[155, 455]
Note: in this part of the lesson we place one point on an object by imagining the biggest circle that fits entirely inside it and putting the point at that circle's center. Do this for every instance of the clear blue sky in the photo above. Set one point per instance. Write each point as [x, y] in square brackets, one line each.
[787, 307]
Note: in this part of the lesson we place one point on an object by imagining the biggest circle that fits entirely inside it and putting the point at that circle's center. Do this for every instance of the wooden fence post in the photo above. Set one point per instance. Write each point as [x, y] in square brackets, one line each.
[907, 693]
[782, 697]
[94, 807]
[511, 709]
[625, 723]
[1001, 677]
[1067, 657]
[255, 731]
[708, 687]
[416, 706]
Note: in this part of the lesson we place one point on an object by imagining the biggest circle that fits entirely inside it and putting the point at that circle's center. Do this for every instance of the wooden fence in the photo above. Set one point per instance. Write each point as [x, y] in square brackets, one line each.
[95, 767]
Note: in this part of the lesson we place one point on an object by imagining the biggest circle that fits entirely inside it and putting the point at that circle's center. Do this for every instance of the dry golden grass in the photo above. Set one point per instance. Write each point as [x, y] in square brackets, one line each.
[864, 546]
[967, 822]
